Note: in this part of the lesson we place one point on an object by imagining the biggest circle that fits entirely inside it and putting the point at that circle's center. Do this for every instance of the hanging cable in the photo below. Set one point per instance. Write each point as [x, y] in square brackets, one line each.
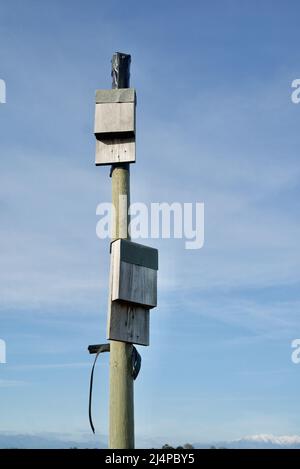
[101, 348]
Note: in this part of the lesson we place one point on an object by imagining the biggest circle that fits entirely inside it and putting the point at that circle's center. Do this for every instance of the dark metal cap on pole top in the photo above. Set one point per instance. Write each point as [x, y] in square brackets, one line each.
[120, 73]
[120, 70]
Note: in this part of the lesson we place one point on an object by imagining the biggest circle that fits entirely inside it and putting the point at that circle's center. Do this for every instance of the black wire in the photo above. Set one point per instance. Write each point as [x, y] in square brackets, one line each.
[91, 392]
[136, 365]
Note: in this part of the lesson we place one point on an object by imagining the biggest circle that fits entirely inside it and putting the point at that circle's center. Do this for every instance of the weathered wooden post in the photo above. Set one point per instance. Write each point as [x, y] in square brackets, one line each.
[133, 271]
[121, 394]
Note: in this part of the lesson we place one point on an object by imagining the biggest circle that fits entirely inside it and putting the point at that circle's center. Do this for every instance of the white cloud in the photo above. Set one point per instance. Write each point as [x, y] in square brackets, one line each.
[7, 383]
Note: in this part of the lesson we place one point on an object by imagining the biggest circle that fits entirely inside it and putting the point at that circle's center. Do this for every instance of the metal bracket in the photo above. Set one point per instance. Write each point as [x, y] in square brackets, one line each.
[99, 348]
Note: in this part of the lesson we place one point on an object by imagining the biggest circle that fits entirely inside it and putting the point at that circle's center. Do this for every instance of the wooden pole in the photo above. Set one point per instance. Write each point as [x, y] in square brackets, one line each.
[121, 396]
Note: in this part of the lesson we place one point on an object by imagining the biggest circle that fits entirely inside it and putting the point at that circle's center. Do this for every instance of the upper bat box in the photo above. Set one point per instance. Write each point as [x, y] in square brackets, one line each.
[115, 126]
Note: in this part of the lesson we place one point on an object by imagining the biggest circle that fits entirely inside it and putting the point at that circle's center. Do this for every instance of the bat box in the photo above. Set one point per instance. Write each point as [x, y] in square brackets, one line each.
[115, 126]
[134, 273]
[133, 291]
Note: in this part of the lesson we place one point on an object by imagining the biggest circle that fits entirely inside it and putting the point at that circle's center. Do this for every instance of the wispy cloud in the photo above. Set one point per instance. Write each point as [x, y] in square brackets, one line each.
[7, 383]
[47, 366]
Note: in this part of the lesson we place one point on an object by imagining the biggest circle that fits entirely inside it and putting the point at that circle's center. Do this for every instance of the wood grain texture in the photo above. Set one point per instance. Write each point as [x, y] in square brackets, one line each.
[130, 282]
[114, 117]
[134, 284]
[120, 95]
[121, 398]
[121, 403]
[115, 150]
[128, 323]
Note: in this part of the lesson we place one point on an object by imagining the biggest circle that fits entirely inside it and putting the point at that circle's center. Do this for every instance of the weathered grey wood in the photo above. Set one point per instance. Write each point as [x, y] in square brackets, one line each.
[120, 95]
[110, 151]
[115, 127]
[126, 322]
[113, 118]
[131, 281]
[129, 323]
[134, 284]
[138, 284]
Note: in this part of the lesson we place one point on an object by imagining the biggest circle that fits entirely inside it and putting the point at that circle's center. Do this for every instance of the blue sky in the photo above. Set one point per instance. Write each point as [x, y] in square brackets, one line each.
[216, 125]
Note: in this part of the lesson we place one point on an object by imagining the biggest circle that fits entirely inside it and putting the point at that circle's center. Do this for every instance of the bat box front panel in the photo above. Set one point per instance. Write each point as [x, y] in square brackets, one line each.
[128, 323]
[114, 119]
[134, 273]
[137, 284]
[117, 150]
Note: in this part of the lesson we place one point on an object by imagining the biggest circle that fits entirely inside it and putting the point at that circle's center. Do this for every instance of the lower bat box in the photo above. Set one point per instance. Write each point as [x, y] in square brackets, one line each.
[133, 291]
[134, 273]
